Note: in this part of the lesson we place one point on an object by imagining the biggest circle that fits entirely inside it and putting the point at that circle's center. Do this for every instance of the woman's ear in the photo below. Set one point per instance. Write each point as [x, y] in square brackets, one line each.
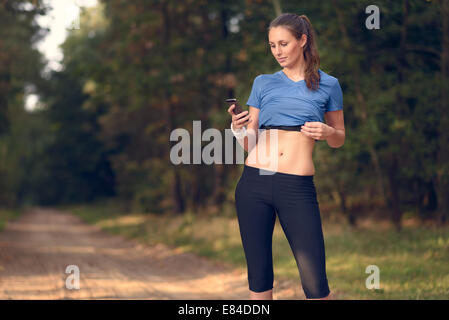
[303, 40]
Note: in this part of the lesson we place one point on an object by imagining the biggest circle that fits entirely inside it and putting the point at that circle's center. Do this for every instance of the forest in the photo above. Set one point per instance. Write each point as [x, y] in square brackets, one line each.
[135, 71]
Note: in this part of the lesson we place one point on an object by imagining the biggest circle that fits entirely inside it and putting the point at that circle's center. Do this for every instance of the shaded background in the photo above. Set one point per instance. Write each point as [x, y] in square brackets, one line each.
[136, 70]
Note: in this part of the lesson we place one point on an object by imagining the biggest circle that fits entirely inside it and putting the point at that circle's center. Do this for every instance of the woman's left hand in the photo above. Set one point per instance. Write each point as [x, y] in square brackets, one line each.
[317, 130]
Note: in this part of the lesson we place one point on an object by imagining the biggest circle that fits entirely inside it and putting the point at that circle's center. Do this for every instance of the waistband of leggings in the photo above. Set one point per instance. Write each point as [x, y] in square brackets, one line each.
[253, 171]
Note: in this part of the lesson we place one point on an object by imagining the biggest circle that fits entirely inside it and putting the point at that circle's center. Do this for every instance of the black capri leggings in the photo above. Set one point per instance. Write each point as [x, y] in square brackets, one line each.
[258, 197]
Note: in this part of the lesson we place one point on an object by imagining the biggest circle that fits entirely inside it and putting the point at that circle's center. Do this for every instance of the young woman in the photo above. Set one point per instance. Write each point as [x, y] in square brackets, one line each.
[294, 102]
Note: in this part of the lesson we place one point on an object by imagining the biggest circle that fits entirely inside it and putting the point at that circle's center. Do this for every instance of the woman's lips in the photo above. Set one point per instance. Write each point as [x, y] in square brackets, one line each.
[282, 59]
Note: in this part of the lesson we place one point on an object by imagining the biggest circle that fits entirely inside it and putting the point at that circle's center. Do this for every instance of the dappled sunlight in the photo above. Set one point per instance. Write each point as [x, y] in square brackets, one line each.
[106, 285]
[36, 227]
[109, 266]
[121, 221]
[437, 243]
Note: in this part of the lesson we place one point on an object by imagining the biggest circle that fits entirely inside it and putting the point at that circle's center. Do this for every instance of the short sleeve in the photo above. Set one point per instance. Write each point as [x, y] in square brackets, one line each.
[254, 97]
[335, 101]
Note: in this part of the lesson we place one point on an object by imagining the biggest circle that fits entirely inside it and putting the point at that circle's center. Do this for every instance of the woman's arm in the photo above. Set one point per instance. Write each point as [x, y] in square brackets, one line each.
[333, 131]
[335, 120]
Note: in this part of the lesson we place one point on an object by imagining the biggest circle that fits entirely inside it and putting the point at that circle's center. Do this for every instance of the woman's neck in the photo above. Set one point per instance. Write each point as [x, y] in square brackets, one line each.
[294, 73]
[297, 71]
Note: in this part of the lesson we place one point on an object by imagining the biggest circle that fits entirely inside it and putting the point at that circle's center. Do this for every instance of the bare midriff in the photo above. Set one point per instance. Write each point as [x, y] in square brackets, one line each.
[293, 154]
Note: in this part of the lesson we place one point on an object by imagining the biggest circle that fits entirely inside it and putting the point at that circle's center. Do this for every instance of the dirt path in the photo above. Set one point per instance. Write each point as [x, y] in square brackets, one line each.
[36, 248]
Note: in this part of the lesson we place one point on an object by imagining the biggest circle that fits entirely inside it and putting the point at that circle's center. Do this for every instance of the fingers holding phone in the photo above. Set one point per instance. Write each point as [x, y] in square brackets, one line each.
[240, 118]
[231, 109]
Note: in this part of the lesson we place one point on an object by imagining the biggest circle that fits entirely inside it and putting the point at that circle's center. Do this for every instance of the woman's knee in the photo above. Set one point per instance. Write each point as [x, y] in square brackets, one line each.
[319, 291]
[261, 284]
[326, 297]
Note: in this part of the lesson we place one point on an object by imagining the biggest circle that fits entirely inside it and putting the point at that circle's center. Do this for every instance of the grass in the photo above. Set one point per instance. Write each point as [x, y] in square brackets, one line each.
[7, 215]
[413, 263]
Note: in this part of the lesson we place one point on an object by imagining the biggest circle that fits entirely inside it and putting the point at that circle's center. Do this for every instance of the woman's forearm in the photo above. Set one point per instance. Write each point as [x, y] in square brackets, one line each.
[337, 138]
[249, 141]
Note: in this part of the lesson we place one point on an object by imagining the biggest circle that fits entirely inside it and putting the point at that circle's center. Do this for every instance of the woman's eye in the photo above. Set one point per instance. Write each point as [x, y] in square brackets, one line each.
[284, 44]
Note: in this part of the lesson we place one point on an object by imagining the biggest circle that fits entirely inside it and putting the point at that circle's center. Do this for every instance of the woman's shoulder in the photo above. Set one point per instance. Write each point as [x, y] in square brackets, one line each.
[326, 78]
[266, 78]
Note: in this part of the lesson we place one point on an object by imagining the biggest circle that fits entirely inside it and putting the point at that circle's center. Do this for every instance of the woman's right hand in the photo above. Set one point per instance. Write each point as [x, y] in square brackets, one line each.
[240, 120]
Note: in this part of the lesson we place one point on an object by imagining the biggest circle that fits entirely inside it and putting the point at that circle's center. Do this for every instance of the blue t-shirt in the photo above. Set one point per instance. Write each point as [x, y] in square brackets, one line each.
[284, 102]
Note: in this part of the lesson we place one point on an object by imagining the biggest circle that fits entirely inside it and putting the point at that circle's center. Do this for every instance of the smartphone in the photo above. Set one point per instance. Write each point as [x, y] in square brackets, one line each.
[237, 109]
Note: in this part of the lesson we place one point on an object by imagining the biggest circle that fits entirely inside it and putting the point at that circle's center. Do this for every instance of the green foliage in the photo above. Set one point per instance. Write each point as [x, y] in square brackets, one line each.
[20, 64]
[75, 160]
[7, 215]
[135, 71]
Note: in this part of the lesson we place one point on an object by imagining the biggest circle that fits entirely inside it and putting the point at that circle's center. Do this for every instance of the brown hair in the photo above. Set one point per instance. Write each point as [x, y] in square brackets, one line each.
[299, 25]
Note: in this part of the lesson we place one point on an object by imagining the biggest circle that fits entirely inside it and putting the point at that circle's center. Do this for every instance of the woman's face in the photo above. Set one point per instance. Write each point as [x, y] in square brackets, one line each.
[285, 47]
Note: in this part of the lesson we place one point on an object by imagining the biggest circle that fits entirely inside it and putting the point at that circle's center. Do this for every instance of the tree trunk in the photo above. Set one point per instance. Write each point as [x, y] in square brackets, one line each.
[220, 171]
[394, 196]
[344, 208]
[277, 7]
[442, 178]
[176, 187]
[177, 193]
[401, 106]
